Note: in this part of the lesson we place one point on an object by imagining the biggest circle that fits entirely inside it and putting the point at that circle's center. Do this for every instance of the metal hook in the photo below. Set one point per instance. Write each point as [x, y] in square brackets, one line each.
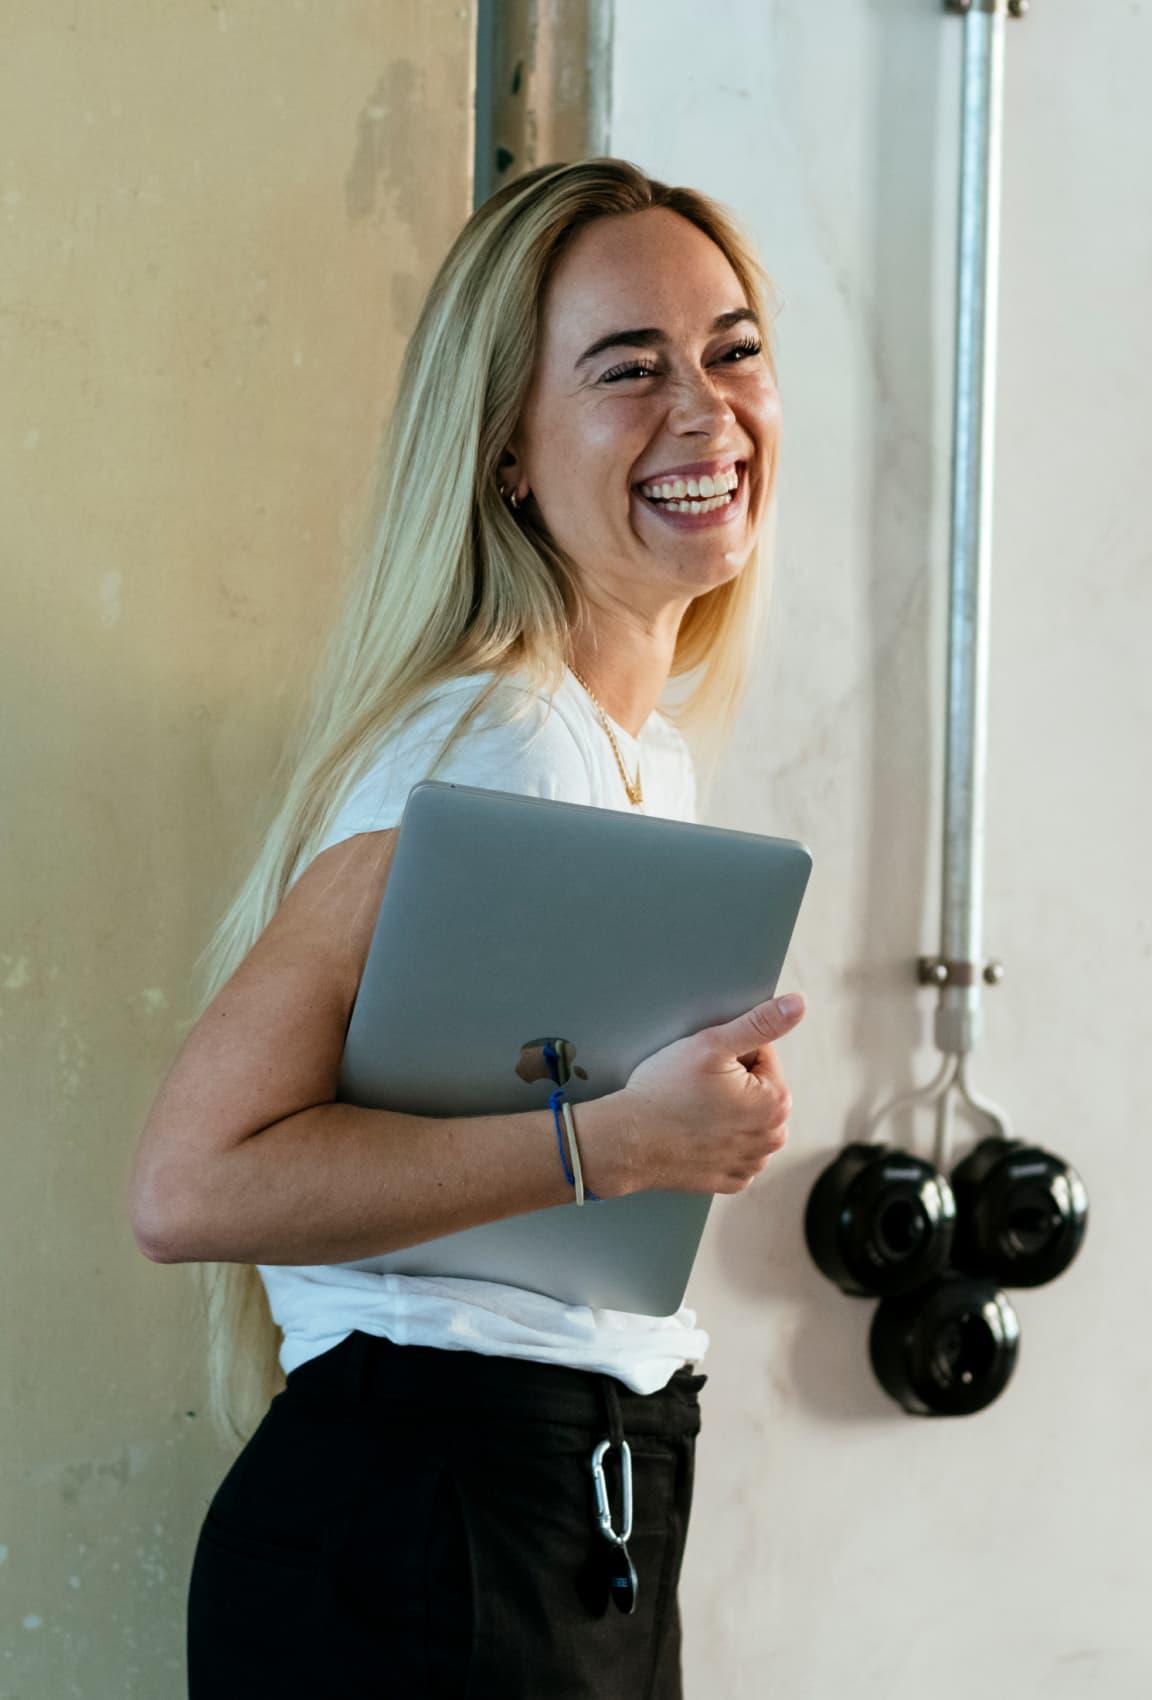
[603, 1508]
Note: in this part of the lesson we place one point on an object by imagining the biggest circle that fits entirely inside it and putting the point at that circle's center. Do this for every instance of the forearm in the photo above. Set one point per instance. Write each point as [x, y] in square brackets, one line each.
[337, 1183]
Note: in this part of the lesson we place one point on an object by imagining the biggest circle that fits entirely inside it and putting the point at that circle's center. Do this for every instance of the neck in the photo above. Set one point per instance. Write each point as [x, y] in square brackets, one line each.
[627, 671]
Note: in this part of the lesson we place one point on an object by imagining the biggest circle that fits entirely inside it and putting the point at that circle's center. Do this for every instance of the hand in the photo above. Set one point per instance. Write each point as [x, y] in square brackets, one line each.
[707, 1112]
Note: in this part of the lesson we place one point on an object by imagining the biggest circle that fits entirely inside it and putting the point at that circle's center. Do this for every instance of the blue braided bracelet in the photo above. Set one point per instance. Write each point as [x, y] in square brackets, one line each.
[554, 1101]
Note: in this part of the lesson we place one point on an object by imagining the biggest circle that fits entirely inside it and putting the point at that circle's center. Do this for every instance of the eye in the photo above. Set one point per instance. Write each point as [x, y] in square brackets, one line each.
[635, 370]
[746, 348]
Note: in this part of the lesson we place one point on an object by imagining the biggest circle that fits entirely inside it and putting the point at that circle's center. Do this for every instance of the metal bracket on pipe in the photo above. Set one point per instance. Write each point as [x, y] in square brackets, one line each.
[938, 971]
[1014, 8]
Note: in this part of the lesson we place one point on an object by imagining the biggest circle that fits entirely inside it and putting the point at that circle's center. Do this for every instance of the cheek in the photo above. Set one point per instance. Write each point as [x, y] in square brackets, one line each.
[620, 427]
[760, 404]
[590, 461]
[761, 419]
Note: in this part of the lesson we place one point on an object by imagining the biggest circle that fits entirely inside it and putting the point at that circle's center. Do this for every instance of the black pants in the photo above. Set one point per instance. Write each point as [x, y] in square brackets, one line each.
[420, 1524]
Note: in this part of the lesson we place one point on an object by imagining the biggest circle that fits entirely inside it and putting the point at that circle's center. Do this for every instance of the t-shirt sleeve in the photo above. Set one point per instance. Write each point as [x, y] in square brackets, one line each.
[536, 755]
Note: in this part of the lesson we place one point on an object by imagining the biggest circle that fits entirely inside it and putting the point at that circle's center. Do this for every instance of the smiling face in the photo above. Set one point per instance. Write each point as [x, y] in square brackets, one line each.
[692, 395]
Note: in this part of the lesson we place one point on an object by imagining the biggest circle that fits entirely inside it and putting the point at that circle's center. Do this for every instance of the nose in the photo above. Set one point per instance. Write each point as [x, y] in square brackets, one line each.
[698, 406]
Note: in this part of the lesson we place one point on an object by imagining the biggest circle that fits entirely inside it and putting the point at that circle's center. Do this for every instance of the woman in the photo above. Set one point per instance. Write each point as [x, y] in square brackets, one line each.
[580, 461]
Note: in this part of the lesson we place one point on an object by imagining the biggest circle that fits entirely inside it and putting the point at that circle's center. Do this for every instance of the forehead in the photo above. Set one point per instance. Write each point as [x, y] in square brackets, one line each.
[647, 268]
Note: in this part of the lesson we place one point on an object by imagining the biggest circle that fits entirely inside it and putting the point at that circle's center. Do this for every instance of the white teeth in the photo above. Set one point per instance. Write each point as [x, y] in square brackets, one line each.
[677, 488]
[699, 507]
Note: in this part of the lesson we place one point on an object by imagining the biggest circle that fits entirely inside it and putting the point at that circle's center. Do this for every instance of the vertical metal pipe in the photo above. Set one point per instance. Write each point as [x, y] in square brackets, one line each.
[484, 146]
[958, 1015]
[544, 86]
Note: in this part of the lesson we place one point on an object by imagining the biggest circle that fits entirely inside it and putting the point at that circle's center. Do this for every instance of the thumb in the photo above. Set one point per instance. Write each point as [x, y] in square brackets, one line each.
[763, 1022]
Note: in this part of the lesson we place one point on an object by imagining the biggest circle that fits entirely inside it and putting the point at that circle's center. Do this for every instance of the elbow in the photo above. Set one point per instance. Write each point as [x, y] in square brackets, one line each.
[153, 1248]
[154, 1232]
[152, 1242]
[154, 1252]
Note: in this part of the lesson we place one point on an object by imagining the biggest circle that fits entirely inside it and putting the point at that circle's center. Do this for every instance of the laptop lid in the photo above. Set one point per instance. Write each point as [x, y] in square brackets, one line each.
[508, 920]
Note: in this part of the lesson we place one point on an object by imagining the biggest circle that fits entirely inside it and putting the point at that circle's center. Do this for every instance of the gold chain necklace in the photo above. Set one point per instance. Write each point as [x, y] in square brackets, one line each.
[635, 794]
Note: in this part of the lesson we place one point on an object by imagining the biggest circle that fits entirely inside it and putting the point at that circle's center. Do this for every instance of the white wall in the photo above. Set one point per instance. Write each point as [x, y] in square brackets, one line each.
[838, 1545]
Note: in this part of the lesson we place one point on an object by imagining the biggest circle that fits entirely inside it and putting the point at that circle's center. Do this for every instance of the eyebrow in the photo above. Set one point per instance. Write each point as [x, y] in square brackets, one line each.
[652, 338]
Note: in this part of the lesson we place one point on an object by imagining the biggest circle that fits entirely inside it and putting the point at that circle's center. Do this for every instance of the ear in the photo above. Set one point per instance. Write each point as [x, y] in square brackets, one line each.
[511, 471]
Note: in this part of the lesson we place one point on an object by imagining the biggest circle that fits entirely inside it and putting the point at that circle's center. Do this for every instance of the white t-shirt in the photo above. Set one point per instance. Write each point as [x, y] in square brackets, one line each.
[564, 755]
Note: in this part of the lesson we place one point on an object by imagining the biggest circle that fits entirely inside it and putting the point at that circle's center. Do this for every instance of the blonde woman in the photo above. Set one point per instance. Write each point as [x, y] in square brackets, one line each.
[580, 463]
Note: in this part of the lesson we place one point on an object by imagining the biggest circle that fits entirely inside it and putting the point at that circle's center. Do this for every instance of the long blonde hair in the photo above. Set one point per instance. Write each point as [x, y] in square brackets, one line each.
[449, 583]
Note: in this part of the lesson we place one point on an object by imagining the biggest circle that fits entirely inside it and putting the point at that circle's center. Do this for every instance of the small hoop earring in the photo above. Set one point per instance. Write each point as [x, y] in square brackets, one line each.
[514, 500]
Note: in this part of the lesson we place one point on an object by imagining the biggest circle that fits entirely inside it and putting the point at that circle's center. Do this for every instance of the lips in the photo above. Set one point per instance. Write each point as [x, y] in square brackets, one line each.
[707, 517]
[694, 469]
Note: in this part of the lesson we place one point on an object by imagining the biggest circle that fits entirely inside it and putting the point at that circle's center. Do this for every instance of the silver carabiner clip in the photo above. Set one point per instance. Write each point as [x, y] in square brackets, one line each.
[603, 1508]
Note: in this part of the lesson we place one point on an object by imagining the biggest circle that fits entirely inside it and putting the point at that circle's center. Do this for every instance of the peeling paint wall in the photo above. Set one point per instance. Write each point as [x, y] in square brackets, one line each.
[217, 223]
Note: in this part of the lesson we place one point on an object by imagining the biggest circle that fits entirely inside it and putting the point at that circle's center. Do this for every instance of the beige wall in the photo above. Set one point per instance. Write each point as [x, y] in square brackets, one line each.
[217, 223]
[838, 1546]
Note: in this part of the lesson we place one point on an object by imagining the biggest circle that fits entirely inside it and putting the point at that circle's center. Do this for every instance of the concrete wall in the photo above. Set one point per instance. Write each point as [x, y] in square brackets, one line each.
[838, 1545]
[217, 222]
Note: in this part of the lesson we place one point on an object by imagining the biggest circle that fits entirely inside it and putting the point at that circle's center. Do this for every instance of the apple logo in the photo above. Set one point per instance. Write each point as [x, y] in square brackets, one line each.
[548, 1059]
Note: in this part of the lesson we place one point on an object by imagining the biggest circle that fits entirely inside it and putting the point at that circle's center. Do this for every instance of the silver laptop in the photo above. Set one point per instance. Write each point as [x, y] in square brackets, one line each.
[509, 921]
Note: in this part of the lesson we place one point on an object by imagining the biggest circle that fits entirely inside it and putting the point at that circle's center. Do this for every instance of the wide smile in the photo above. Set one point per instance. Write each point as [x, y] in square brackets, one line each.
[682, 504]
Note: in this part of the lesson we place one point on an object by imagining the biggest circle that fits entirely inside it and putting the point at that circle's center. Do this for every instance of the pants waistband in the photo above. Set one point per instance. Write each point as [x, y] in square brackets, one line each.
[367, 1369]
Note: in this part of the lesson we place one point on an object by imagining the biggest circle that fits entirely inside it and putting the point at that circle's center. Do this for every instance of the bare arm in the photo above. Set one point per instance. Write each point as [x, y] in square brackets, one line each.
[246, 1157]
